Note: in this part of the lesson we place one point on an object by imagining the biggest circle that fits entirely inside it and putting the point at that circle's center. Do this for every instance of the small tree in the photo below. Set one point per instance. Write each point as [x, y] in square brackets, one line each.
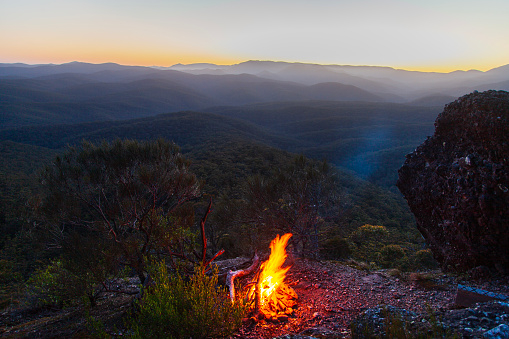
[128, 197]
[291, 200]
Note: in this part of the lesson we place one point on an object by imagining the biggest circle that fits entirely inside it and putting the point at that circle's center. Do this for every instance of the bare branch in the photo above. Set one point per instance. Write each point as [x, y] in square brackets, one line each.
[203, 237]
[212, 259]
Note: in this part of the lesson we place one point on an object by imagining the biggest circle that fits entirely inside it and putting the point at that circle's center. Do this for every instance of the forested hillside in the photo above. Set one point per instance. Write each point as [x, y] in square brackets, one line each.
[226, 151]
[369, 139]
[232, 148]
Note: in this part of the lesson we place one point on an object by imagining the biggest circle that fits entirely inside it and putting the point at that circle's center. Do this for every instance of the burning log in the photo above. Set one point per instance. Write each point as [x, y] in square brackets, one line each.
[272, 297]
[280, 302]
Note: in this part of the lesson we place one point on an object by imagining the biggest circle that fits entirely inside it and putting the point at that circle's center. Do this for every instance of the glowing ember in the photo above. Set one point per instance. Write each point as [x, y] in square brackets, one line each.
[275, 296]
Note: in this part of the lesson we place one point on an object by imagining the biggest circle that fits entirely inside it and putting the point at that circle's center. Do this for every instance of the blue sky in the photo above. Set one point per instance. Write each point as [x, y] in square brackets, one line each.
[420, 35]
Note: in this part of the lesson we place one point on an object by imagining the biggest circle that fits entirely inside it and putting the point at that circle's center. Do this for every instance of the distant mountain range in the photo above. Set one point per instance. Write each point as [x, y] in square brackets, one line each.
[386, 82]
[81, 92]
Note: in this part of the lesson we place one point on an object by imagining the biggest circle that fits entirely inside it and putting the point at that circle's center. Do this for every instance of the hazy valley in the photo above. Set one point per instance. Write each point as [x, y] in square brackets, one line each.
[78, 92]
[362, 118]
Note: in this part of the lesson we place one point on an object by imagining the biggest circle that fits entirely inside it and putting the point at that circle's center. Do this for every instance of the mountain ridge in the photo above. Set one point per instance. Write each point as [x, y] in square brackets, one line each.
[388, 82]
[111, 95]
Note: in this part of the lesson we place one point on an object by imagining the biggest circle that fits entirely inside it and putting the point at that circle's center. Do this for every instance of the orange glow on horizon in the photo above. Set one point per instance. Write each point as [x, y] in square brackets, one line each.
[167, 59]
[126, 55]
[393, 34]
[451, 68]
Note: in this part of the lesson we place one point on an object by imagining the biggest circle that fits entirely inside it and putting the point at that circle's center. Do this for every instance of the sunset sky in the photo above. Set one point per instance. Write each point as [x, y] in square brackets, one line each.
[430, 35]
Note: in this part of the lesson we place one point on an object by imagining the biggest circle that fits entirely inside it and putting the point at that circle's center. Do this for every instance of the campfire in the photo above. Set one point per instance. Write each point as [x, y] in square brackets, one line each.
[273, 297]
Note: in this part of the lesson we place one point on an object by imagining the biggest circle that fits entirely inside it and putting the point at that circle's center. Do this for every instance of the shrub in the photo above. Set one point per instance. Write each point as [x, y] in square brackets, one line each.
[175, 307]
[392, 256]
[56, 285]
[44, 288]
[367, 241]
[368, 232]
[424, 259]
[335, 248]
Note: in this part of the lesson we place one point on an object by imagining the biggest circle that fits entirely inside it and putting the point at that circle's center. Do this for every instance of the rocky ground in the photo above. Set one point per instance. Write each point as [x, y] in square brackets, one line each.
[331, 296]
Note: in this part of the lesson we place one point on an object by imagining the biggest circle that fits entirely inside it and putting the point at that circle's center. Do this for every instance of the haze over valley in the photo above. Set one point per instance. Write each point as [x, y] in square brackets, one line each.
[361, 118]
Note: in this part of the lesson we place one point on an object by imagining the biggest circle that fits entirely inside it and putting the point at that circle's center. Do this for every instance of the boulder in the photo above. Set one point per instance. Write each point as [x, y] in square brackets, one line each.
[457, 184]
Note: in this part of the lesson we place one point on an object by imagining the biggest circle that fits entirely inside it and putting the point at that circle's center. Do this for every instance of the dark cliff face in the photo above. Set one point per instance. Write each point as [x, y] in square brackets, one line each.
[457, 183]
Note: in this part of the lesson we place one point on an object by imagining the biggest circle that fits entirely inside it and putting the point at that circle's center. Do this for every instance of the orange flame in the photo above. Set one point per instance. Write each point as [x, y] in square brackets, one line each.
[272, 275]
[275, 297]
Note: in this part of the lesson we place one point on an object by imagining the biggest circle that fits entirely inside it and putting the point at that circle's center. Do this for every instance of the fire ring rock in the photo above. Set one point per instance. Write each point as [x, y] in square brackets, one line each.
[457, 184]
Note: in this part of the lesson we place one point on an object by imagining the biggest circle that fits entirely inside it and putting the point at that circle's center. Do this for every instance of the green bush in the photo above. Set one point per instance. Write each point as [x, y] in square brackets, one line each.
[393, 256]
[366, 242]
[175, 307]
[365, 233]
[335, 248]
[44, 288]
[424, 259]
[57, 285]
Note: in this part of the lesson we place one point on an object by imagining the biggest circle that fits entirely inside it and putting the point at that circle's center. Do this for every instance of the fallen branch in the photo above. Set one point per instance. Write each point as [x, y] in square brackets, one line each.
[230, 277]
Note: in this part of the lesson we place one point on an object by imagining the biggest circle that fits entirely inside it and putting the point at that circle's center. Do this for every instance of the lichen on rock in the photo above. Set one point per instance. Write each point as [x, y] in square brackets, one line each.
[457, 184]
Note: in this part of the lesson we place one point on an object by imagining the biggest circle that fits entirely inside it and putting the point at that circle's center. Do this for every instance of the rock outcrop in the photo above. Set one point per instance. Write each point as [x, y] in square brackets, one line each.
[457, 184]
